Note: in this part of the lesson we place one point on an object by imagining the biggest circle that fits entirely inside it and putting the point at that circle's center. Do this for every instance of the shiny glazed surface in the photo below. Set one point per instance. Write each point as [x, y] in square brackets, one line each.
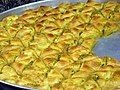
[51, 48]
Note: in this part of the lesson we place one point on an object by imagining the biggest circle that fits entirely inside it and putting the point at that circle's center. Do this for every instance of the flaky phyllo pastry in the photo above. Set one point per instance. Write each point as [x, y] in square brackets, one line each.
[51, 48]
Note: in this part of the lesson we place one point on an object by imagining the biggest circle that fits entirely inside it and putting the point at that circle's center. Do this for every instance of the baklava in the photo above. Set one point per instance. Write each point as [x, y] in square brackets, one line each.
[51, 48]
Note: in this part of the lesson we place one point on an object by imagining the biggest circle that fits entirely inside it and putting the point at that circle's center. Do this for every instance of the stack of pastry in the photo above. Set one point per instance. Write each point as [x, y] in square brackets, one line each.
[51, 48]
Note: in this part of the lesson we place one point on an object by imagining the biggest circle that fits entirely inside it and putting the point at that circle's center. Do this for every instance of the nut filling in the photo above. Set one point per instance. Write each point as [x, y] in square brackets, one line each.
[51, 48]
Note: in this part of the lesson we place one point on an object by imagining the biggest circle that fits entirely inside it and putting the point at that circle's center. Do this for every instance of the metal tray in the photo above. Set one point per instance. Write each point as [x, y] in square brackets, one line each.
[19, 10]
[53, 3]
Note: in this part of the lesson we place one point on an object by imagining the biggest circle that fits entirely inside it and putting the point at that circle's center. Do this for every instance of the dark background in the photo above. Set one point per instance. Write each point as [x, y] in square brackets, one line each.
[8, 4]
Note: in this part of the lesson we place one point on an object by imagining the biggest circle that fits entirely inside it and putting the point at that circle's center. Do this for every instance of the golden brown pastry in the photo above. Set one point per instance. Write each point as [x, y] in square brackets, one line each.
[51, 48]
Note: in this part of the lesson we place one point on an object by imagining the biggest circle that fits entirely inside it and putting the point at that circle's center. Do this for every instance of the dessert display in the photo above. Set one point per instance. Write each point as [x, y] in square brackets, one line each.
[51, 48]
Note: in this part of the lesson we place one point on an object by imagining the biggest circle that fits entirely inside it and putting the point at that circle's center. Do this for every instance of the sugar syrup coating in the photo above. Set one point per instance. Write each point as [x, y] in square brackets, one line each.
[51, 48]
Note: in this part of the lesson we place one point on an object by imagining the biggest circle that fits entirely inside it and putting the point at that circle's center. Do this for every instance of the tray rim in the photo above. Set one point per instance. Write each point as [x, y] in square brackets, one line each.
[27, 6]
[19, 7]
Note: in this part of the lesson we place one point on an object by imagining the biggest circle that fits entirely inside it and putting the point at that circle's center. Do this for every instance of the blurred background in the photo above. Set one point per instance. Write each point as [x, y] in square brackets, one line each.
[8, 4]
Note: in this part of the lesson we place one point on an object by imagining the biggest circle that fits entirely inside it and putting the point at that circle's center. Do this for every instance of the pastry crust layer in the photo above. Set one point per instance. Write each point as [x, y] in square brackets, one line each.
[51, 48]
